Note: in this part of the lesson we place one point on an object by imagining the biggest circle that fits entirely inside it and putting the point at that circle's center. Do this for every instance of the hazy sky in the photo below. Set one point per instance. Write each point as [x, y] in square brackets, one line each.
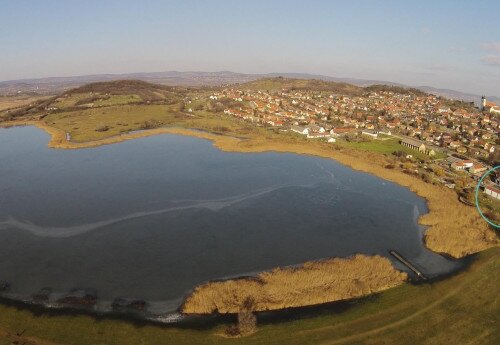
[449, 43]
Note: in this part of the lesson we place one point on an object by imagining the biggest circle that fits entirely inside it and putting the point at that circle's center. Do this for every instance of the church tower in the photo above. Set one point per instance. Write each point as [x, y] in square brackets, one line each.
[483, 103]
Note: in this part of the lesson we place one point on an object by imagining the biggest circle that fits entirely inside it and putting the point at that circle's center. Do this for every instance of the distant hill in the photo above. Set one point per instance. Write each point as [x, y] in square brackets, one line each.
[56, 85]
[278, 83]
[108, 93]
[145, 90]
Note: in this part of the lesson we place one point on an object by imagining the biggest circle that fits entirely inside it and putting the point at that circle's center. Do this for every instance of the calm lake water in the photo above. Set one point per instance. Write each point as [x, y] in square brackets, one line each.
[152, 218]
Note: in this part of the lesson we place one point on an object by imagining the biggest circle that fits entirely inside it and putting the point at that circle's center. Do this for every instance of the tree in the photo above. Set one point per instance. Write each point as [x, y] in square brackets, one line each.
[438, 171]
[247, 321]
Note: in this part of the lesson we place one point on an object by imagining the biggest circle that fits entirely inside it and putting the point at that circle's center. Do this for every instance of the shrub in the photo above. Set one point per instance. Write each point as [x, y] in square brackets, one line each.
[102, 128]
[221, 129]
[150, 124]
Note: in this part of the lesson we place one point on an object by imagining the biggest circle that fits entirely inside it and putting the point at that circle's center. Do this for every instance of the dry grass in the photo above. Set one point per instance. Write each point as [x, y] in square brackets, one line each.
[312, 283]
[12, 102]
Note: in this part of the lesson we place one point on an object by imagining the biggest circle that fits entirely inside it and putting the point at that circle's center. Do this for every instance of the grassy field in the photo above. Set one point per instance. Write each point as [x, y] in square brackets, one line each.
[87, 99]
[387, 147]
[462, 309]
[10, 102]
[490, 207]
[84, 125]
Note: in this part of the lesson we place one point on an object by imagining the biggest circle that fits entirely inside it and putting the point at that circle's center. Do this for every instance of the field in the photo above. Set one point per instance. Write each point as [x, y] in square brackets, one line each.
[387, 146]
[84, 125]
[447, 312]
[490, 207]
[11, 102]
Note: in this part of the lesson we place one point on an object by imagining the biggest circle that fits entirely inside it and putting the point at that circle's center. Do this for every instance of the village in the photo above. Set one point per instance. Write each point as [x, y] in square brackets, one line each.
[459, 137]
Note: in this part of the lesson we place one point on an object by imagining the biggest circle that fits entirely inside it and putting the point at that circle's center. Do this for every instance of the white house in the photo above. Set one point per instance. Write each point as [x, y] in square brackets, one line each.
[316, 128]
[492, 191]
[462, 164]
[300, 130]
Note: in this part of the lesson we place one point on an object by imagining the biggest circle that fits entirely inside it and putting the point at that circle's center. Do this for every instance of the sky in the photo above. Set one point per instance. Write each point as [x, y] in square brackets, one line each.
[451, 44]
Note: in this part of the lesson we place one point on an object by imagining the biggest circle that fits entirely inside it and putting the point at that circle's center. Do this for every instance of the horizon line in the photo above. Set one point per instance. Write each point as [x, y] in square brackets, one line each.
[383, 82]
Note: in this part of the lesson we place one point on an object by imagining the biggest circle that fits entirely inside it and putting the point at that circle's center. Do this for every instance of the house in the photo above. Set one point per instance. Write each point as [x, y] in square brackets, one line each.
[414, 144]
[490, 106]
[477, 168]
[316, 128]
[341, 131]
[495, 109]
[332, 140]
[300, 130]
[492, 191]
[462, 164]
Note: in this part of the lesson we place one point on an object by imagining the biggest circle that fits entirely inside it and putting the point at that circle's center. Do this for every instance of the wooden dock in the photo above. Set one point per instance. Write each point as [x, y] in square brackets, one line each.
[407, 264]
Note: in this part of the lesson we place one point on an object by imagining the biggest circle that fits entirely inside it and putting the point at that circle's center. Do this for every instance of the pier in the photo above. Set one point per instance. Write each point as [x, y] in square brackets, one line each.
[407, 264]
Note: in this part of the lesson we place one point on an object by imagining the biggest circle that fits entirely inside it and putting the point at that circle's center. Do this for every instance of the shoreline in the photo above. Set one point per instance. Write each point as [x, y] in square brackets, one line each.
[446, 214]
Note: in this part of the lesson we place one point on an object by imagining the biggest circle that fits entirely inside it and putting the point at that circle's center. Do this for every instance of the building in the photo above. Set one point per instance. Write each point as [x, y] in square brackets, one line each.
[300, 130]
[414, 145]
[489, 106]
[462, 165]
[477, 168]
[492, 191]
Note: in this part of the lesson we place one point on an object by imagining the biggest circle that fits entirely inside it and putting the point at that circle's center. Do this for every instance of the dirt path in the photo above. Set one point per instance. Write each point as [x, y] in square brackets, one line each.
[400, 322]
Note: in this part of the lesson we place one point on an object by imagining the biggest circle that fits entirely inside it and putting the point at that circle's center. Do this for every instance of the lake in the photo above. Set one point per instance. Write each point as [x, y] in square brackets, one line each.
[152, 218]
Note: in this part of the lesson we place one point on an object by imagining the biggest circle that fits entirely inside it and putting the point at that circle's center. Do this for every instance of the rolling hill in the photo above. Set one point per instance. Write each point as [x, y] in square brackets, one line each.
[55, 85]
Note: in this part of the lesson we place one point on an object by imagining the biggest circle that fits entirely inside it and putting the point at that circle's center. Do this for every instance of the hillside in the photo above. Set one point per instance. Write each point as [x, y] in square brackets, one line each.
[101, 94]
[56, 85]
[278, 83]
[138, 92]
[395, 89]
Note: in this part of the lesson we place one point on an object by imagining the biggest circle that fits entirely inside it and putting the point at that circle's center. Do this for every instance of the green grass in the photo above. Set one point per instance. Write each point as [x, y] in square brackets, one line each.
[387, 147]
[117, 100]
[82, 124]
[71, 101]
[462, 309]
[490, 206]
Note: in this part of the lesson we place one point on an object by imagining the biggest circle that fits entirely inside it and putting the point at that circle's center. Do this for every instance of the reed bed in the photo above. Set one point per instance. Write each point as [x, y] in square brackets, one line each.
[311, 283]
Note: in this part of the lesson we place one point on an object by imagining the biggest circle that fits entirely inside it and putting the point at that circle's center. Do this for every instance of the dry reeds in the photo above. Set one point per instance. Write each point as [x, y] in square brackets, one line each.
[312, 283]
